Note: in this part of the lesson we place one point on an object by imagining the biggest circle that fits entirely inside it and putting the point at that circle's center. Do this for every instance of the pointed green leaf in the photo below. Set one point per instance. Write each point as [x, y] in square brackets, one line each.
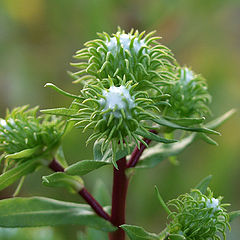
[164, 122]
[233, 215]
[61, 158]
[24, 153]
[154, 155]
[39, 211]
[164, 205]
[138, 233]
[176, 237]
[186, 121]
[220, 120]
[61, 179]
[85, 166]
[66, 112]
[154, 137]
[203, 185]
[12, 175]
[207, 139]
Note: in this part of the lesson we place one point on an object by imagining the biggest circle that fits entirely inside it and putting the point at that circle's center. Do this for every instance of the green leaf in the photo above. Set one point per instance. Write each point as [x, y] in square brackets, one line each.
[176, 237]
[61, 179]
[23, 154]
[164, 122]
[15, 173]
[100, 159]
[61, 158]
[164, 205]
[154, 137]
[85, 166]
[66, 112]
[203, 185]
[220, 120]
[233, 215]
[207, 139]
[154, 155]
[186, 121]
[39, 211]
[138, 233]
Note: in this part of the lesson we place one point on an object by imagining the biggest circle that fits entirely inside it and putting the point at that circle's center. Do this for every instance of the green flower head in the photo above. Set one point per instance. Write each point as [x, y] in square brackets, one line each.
[135, 55]
[23, 135]
[198, 216]
[189, 95]
[115, 113]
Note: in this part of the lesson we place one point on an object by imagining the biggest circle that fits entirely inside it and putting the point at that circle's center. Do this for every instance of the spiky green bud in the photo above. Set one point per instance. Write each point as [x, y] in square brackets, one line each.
[135, 55]
[23, 135]
[189, 95]
[198, 216]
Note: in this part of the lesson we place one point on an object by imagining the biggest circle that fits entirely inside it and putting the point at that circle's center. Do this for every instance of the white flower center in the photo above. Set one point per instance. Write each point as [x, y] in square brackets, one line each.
[117, 97]
[186, 75]
[125, 40]
[213, 203]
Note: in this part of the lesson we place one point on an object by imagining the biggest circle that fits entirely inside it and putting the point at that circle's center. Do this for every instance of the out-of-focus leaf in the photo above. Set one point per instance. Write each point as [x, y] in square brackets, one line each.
[186, 121]
[60, 157]
[23, 154]
[176, 237]
[220, 120]
[101, 193]
[85, 166]
[164, 122]
[154, 155]
[154, 137]
[203, 185]
[207, 139]
[66, 112]
[233, 215]
[138, 233]
[162, 201]
[12, 175]
[61, 179]
[39, 211]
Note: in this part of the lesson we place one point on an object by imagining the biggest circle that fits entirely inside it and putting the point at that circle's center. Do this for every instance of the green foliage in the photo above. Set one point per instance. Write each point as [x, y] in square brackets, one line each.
[39, 211]
[23, 135]
[189, 95]
[198, 216]
[138, 233]
[133, 55]
[60, 179]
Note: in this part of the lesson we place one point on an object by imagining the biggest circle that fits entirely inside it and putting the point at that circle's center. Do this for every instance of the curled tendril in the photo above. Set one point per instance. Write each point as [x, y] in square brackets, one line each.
[198, 216]
[23, 135]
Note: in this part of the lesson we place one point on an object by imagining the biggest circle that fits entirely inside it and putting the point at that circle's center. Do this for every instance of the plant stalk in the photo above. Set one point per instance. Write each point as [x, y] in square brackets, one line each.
[119, 194]
[55, 166]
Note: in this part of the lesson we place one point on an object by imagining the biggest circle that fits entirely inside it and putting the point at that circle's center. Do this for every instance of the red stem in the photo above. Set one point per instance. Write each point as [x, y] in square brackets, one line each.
[119, 194]
[55, 166]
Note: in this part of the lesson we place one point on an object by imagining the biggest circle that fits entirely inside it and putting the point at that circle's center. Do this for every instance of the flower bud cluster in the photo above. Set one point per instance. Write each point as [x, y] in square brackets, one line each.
[198, 216]
[22, 130]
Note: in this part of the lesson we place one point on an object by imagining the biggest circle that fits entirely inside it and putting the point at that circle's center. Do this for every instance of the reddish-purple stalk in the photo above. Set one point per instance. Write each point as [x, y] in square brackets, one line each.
[119, 194]
[55, 166]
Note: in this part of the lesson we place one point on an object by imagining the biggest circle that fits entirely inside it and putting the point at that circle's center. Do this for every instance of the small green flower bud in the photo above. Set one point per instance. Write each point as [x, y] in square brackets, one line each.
[23, 135]
[189, 95]
[198, 216]
[135, 55]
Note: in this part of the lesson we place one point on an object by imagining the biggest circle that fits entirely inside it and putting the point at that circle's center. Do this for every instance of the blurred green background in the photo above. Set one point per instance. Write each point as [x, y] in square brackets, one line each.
[37, 41]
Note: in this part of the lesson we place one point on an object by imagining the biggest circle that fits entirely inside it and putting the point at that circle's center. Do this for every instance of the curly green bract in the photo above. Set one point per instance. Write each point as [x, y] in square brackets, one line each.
[22, 131]
[199, 216]
[135, 55]
[115, 112]
[189, 95]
